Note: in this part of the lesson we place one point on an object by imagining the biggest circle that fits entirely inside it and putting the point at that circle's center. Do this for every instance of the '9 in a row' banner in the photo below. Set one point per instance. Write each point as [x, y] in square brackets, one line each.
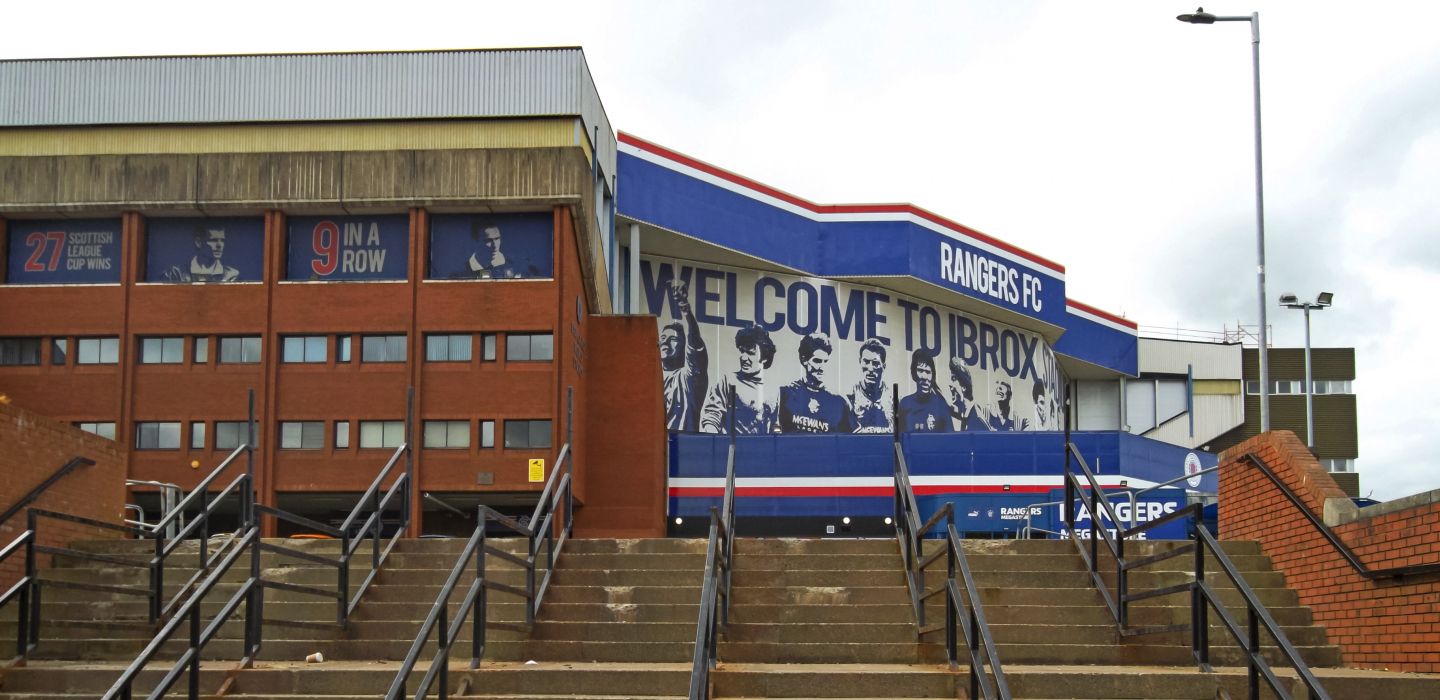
[343, 248]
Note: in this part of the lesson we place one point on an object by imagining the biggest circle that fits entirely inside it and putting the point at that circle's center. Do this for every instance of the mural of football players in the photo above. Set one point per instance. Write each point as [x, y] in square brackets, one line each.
[208, 265]
[490, 262]
[1002, 416]
[684, 363]
[965, 414]
[756, 411]
[870, 401]
[1044, 410]
[925, 410]
[805, 405]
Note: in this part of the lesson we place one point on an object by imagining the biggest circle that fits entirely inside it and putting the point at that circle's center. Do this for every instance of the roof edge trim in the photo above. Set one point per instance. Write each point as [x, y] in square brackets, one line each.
[1104, 318]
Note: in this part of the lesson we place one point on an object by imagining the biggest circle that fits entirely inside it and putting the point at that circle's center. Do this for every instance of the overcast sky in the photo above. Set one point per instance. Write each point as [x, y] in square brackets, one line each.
[1104, 135]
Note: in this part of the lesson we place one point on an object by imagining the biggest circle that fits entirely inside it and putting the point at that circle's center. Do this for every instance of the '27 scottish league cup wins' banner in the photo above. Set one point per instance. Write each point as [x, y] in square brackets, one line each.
[64, 251]
[348, 248]
[492, 246]
[205, 250]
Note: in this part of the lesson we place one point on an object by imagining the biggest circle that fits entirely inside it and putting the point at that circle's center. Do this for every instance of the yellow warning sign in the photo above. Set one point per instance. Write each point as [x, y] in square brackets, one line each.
[537, 470]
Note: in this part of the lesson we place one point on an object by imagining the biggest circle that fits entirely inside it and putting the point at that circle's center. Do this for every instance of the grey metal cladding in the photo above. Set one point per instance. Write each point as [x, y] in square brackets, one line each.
[306, 87]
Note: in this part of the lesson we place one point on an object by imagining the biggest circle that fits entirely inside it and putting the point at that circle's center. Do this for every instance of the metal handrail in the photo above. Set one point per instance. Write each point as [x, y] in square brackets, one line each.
[170, 497]
[909, 534]
[1202, 596]
[715, 588]
[45, 485]
[557, 497]
[1360, 567]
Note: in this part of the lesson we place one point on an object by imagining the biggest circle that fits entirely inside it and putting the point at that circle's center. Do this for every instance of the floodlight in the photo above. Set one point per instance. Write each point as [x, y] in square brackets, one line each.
[1325, 298]
[1200, 17]
[1288, 299]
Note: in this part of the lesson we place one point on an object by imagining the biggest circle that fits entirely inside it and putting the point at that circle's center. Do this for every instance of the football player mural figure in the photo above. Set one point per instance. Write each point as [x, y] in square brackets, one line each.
[924, 410]
[870, 400]
[1044, 410]
[805, 405]
[965, 414]
[756, 410]
[491, 262]
[1002, 417]
[684, 364]
[208, 265]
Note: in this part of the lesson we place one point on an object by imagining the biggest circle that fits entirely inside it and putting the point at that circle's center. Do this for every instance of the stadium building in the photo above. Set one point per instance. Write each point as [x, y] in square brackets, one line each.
[334, 230]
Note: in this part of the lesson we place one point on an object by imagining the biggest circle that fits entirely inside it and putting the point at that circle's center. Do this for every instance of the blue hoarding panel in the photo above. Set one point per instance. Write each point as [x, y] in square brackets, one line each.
[347, 248]
[64, 251]
[205, 250]
[492, 246]
[1099, 344]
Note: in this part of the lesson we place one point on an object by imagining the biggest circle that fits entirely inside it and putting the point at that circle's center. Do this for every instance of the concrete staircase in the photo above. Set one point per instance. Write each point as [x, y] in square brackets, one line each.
[809, 619]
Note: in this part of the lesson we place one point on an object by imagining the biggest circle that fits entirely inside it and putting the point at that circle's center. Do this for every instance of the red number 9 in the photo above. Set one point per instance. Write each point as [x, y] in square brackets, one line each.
[329, 250]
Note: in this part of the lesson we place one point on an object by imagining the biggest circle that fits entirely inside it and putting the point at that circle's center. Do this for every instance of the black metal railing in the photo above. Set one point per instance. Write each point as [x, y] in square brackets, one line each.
[555, 511]
[1345, 552]
[1203, 597]
[964, 615]
[45, 485]
[715, 589]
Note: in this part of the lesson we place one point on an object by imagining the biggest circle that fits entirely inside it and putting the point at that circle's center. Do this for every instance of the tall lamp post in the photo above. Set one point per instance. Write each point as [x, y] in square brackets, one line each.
[1202, 17]
[1290, 301]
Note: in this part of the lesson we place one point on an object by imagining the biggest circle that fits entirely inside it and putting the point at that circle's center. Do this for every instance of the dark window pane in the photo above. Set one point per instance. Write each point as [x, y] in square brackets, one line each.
[229, 349]
[57, 352]
[539, 433]
[312, 435]
[517, 434]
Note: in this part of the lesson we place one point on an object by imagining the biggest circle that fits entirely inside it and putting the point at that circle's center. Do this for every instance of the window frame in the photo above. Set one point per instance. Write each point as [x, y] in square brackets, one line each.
[302, 427]
[450, 341]
[161, 342]
[259, 350]
[140, 427]
[385, 426]
[529, 346]
[450, 430]
[530, 431]
[385, 348]
[242, 432]
[100, 341]
[37, 349]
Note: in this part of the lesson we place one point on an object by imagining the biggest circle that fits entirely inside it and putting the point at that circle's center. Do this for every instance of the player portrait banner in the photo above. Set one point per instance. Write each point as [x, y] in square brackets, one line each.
[349, 248]
[492, 246]
[205, 250]
[64, 251]
[807, 355]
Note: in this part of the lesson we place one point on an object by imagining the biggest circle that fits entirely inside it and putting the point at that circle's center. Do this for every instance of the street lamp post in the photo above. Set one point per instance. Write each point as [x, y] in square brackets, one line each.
[1202, 17]
[1290, 301]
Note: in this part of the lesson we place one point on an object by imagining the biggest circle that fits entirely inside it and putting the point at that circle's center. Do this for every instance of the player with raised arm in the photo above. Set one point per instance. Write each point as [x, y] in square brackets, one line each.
[684, 363]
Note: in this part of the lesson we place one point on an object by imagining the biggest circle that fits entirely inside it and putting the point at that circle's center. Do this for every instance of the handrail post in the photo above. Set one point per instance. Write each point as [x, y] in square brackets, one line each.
[952, 606]
[32, 595]
[409, 458]
[195, 652]
[1201, 624]
[1253, 647]
[443, 657]
[157, 578]
[1122, 577]
[204, 528]
[481, 617]
[570, 457]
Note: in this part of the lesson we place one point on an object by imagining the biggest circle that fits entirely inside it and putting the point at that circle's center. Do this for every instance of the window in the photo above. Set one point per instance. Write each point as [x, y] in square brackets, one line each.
[527, 434]
[230, 434]
[537, 347]
[98, 351]
[105, 430]
[487, 345]
[342, 348]
[57, 352]
[342, 433]
[20, 351]
[487, 433]
[447, 433]
[382, 348]
[447, 348]
[306, 349]
[1338, 465]
[381, 433]
[1333, 386]
[157, 436]
[306, 435]
[197, 435]
[155, 351]
[242, 350]
[202, 349]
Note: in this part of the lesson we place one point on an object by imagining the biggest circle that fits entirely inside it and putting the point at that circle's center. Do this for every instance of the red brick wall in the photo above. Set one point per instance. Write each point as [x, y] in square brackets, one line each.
[626, 429]
[1392, 623]
[33, 448]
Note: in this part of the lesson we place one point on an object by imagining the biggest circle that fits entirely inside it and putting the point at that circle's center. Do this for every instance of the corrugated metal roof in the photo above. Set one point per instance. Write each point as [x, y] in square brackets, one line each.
[306, 87]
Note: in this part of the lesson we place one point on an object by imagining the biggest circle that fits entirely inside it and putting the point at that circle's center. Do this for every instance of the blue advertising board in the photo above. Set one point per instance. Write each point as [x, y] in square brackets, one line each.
[64, 251]
[205, 250]
[492, 246]
[1150, 506]
[349, 248]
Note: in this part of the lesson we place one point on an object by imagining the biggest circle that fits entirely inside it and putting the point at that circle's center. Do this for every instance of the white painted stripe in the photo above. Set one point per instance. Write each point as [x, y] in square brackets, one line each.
[1106, 480]
[781, 204]
[1102, 320]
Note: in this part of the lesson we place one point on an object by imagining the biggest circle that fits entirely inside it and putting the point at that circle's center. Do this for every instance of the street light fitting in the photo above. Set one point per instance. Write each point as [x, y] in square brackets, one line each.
[1325, 298]
[1200, 17]
[1288, 299]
